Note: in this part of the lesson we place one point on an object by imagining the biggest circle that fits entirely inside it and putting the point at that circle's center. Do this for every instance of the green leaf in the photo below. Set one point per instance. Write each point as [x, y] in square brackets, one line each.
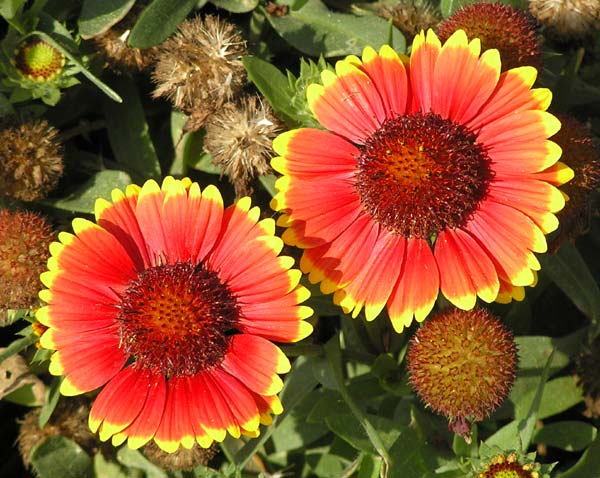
[59, 457]
[507, 437]
[412, 457]
[349, 429]
[9, 8]
[315, 30]
[567, 435]
[51, 402]
[98, 186]
[235, 6]
[527, 425]
[273, 85]
[559, 395]
[517, 434]
[104, 468]
[134, 459]
[294, 431]
[20, 344]
[587, 466]
[158, 21]
[97, 17]
[129, 134]
[534, 352]
[568, 270]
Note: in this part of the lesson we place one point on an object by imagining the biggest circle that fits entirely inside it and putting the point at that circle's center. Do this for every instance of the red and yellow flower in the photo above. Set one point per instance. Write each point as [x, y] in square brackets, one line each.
[432, 173]
[170, 303]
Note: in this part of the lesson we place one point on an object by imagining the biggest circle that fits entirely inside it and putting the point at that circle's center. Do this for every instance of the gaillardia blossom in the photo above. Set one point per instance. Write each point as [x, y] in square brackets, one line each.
[170, 303]
[435, 174]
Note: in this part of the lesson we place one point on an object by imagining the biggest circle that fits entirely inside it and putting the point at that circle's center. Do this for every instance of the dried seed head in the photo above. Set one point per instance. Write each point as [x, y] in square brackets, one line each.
[582, 155]
[182, 459]
[24, 241]
[239, 138]
[38, 60]
[118, 55]
[31, 161]
[199, 68]
[70, 419]
[567, 20]
[511, 31]
[411, 18]
[462, 364]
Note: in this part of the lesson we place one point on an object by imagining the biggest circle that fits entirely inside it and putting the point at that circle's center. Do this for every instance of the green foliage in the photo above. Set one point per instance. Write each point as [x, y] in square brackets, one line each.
[316, 30]
[158, 21]
[98, 17]
[59, 457]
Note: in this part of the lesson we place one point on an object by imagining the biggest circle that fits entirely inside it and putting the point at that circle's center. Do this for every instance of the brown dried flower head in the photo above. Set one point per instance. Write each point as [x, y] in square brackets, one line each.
[69, 419]
[31, 161]
[567, 20]
[182, 459]
[411, 18]
[24, 241]
[239, 138]
[462, 364]
[582, 155]
[511, 31]
[199, 68]
[118, 55]
[38, 60]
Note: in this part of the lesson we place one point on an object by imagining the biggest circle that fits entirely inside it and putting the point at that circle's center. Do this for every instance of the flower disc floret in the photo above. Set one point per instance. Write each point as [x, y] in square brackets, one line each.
[170, 304]
[431, 173]
[39, 61]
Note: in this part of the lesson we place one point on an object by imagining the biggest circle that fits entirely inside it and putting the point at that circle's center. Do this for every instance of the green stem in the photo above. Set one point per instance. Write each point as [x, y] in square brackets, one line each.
[334, 358]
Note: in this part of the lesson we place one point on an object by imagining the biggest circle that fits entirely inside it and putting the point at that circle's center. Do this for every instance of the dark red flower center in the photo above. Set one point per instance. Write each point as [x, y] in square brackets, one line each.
[177, 319]
[420, 174]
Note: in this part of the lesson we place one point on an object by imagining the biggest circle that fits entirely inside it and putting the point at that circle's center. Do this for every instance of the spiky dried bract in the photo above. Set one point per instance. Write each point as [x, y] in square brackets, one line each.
[511, 31]
[411, 18]
[118, 55]
[462, 364]
[24, 241]
[582, 155]
[239, 138]
[31, 161]
[69, 419]
[183, 459]
[38, 60]
[567, 20]
[199, 68]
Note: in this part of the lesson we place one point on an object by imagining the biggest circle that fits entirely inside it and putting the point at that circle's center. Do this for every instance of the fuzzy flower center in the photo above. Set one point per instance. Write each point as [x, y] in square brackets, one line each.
[420, 174]
[39, 60]
[177, 319]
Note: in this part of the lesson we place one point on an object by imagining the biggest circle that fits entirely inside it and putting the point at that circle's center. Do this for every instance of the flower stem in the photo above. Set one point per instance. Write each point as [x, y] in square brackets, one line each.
[334, 358]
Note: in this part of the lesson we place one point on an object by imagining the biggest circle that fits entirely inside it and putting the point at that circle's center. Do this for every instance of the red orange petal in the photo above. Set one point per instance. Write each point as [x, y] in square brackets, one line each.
[347, 103]
[466, 271]
[417, 288]
[119, 402]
